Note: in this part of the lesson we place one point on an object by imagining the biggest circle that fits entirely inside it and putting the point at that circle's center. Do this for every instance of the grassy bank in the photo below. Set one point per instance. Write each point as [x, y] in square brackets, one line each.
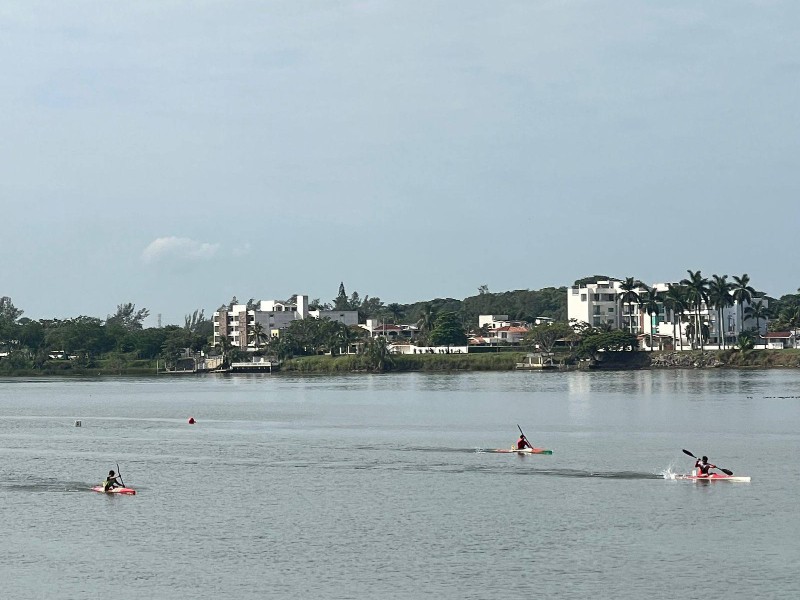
[504, 361]
[496, 361]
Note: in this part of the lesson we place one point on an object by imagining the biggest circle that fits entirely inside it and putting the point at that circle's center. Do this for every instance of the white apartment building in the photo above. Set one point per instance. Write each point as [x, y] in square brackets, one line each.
[236, 323]
[600, 303]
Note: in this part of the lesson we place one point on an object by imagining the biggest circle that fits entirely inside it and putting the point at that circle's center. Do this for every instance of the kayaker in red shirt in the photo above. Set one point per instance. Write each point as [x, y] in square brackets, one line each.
[112, 481]
[702, 465]
[523, 443]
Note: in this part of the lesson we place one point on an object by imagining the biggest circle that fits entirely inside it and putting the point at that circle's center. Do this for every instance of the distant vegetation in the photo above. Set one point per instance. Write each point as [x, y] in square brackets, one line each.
[120, 344]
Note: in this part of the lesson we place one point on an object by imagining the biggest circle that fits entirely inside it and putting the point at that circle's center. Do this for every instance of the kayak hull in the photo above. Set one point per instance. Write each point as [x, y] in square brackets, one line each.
[714, 477]
[524, 451]
[119, 490]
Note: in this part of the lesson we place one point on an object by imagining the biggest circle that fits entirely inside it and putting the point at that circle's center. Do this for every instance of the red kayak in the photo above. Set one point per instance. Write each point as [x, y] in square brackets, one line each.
[714, 477]
[117, 490]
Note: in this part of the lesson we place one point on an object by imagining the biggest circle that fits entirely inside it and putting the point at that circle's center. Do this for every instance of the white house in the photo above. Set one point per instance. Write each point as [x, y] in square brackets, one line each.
[390, 331]
[778, 340]
[236, 323]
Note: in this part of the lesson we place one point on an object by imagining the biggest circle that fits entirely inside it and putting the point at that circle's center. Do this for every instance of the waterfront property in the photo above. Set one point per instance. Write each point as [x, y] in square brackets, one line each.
[603, 303]
[237, 322]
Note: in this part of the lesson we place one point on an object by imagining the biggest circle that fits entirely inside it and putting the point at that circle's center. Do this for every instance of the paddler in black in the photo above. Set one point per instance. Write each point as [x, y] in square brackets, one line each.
[523, 443]
[702, 465]
[112, 481]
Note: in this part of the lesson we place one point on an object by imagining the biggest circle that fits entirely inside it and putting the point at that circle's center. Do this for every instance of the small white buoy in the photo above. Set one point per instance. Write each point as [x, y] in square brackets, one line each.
[77, 423]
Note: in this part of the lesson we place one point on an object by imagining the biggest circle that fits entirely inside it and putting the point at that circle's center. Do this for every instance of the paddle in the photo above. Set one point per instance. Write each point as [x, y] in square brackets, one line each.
[524, 436]
[120, 476]
[726, 471]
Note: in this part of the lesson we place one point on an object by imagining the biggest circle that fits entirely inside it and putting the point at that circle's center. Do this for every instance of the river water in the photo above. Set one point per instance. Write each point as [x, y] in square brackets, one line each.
[380, 486]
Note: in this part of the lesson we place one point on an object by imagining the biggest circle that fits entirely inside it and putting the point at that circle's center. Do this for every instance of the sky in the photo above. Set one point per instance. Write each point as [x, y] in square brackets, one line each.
[175, 154]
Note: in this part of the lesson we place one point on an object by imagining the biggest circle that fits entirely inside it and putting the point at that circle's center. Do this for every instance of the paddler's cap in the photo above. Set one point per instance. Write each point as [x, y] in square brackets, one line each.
[705, 459]
[111, 472]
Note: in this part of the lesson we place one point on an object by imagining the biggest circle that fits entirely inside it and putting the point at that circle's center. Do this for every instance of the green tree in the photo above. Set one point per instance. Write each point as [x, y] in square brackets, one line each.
[8, 311]
[697, 294]
[395, 310]
[676, 302]
[341, 302]
[628, 296]
[9, 328]
[427, 320]
[756, 311]
[546, 335]
[376, 353]
[745, 341]
[258, 335]
[448, 331]
[649, 305]
[720, 297]
[597, 342]
[743, 294]
[128, 317]
[195, 321]
[31, 335]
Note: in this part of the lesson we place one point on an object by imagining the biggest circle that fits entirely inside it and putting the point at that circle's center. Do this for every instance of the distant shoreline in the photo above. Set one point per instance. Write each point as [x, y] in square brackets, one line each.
[449, 363]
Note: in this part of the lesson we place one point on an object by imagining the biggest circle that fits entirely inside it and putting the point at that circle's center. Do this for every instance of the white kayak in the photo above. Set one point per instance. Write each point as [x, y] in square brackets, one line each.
[523, 450]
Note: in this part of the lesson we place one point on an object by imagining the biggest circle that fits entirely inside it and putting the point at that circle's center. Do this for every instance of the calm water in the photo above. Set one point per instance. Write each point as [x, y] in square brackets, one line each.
[376, 487]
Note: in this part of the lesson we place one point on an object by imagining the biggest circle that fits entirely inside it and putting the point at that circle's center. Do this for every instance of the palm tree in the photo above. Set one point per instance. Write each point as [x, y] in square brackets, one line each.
[720, 297]
[649, 305]
[377, 354]
[743, 293]
[697, 294]
[757, 311]
[428, 319]
[675, 301]
[628, 295]
[395, 310]
[258, 335]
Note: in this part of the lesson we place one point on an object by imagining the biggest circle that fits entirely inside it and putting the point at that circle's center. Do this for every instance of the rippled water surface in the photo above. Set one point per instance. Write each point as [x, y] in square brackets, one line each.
[382, 486]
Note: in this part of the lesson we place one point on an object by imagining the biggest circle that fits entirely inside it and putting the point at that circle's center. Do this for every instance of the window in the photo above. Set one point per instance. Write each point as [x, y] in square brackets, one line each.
[611, 309]
[583, 297]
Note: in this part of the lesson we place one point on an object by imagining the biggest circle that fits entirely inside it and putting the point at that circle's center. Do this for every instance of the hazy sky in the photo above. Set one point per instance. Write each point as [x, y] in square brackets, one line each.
[174, 154]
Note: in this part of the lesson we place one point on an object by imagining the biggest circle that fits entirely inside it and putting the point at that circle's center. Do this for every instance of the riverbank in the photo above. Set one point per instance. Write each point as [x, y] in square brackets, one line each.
[502, 361]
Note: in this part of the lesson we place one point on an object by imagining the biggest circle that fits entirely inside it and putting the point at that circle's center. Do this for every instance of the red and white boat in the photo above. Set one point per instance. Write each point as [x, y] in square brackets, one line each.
[116, 490]
[524, 450]
[712, 477]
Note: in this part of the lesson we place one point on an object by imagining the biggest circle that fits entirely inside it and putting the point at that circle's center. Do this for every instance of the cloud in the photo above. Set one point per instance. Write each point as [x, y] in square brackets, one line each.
[177, 248]
[242, 250]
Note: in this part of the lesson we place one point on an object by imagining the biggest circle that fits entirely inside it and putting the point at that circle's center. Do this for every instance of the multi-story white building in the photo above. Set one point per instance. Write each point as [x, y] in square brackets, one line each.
[601, 304]
[237, 322]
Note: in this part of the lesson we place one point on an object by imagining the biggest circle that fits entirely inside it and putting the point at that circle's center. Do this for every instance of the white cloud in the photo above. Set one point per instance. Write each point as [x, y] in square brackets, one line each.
[177, 248]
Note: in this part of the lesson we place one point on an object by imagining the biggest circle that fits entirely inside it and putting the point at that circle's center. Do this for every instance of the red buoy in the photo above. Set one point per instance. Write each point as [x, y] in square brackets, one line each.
[191, 420]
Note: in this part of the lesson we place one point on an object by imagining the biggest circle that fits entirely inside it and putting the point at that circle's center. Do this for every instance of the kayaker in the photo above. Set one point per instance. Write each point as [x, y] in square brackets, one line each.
[112, 481]
[702, 465]
[523, 443]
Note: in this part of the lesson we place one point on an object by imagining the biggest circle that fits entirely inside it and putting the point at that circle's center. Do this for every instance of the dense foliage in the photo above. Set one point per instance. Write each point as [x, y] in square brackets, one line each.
[88, 342]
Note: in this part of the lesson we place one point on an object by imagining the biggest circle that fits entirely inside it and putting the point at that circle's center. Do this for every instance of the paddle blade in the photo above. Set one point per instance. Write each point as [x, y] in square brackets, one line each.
[689, 453]
[726, 471]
